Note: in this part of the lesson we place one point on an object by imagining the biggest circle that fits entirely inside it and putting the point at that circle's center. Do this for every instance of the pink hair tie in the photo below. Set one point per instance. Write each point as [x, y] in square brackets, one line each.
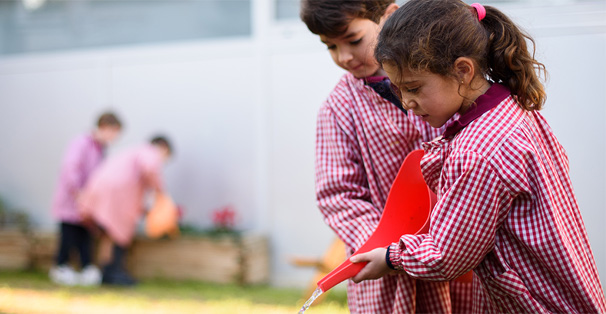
[480, 10]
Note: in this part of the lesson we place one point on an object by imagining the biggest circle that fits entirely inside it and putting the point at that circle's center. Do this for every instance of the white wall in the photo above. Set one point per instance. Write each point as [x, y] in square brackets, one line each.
[182, 91]
[242, 115]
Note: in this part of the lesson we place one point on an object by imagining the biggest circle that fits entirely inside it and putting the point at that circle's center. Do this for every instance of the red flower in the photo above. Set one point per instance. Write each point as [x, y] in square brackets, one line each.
[224, 218]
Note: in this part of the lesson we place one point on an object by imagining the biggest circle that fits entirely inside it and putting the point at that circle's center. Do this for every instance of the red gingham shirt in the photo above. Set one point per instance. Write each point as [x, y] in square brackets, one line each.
[362, 140]
[506, 209]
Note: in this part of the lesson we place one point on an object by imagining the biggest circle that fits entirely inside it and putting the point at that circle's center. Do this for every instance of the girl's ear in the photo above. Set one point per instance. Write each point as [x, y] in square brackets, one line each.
[464, 70]
[388, 12]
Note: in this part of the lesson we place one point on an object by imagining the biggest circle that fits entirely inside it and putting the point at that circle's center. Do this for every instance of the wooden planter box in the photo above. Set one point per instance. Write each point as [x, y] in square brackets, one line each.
[27, 250]
[43, 250]
[14, 249]
[224, 259]
[240, 259]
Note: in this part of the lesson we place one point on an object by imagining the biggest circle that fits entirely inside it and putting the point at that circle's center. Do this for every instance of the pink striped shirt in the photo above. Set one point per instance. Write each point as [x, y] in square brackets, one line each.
[362, 140]
[507, 210]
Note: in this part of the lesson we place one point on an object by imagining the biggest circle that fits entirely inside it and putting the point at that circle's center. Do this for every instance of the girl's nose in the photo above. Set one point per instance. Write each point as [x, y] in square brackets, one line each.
[345, 56]
[408, 103]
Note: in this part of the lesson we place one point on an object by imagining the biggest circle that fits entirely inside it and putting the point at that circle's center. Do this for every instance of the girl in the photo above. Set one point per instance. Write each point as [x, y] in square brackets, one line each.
[113, 200]
[83, 155]
[506, 205]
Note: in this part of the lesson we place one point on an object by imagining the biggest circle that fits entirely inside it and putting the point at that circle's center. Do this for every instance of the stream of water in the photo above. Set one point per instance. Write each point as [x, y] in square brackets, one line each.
[311, 300]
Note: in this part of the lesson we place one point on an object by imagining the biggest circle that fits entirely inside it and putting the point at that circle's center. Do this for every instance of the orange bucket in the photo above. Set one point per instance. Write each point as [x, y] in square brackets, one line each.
[162, 218]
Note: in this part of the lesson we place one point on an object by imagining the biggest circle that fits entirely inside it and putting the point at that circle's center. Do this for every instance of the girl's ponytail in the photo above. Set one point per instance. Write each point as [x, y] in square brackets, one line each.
[509, 61]
[431, 34]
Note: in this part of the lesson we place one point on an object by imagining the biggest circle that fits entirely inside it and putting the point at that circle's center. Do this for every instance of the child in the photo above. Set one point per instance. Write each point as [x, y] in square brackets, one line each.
[113, 200]
[506, 206]
[83, 155]
[362, 140]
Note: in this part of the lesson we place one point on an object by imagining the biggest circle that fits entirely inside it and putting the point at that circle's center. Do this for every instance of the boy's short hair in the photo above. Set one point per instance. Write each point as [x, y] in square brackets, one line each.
[109, 119]
[162, 141]
[331, 17]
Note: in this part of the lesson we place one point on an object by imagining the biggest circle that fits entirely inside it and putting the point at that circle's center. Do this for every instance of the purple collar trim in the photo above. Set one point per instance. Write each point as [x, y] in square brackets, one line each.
[492, 98]
[374, 79]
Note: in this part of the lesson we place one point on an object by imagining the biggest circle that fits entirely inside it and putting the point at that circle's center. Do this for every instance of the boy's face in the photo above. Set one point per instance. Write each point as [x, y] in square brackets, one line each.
[354, 50]
[165, 152]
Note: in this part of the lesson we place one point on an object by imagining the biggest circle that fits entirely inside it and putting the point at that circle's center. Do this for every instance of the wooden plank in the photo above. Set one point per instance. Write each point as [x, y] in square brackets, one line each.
[14, 250]
[225, 259]
[43, 250]
[255, 259]
[222, 260]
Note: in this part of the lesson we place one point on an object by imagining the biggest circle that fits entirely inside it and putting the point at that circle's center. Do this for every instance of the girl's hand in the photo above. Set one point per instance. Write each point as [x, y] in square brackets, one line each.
[376, 267]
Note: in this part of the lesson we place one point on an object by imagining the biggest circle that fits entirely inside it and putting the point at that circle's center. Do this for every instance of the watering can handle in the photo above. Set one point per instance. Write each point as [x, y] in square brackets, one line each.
[345, 270]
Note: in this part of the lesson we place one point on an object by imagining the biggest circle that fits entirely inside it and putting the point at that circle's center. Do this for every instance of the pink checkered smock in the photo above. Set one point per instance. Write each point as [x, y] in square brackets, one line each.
[83, 155]
[113, 196]
[506, 209]
[362, 140]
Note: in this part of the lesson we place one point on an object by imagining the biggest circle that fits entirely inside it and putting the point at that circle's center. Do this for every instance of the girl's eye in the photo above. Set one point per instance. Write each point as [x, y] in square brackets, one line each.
[331, 47]
[355, 42]
[412, 90]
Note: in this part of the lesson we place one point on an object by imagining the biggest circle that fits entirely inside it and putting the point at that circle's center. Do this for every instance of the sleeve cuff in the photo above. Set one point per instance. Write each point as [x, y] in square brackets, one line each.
[387, 260]
[393, 257]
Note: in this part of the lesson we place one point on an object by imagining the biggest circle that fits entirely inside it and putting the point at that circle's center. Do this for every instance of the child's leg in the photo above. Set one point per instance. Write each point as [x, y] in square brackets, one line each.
[66, 243]
[83, 244]
[90, 274]
[115, 272]
[62, 273]
[104, 250]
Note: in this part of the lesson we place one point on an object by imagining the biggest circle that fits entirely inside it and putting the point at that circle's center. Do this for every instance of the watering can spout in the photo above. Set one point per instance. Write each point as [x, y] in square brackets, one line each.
[406, 211]
[339, 274]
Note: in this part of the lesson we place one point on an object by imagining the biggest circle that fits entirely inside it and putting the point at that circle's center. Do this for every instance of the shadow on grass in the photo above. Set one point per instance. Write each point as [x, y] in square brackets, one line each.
[158, 289]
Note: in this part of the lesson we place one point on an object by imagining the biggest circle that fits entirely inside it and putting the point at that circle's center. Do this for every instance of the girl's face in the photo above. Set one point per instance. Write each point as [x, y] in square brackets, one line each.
[108, 134]
[435, 98]
[353, 51]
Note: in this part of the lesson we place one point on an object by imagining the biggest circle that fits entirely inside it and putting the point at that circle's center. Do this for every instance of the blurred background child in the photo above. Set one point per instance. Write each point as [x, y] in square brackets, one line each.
[113, 199]
[83, 155]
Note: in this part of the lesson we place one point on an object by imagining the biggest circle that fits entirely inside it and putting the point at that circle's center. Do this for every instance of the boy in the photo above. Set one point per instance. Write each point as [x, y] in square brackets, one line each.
[83, 155]
[362, 140]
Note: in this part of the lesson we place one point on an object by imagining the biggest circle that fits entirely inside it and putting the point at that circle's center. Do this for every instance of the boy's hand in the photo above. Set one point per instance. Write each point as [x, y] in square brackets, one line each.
[376, 267]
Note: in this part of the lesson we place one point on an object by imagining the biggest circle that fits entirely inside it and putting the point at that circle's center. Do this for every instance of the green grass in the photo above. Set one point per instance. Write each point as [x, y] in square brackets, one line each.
[26, 292]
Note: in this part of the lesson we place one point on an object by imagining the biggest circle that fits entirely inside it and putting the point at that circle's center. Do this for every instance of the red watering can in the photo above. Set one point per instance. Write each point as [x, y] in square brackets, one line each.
[406, 212]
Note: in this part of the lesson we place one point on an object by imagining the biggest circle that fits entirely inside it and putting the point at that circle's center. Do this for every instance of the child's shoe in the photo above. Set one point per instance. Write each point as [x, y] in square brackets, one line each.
[90, 276]
[114, 273]
[63, 275]
[117, 276]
